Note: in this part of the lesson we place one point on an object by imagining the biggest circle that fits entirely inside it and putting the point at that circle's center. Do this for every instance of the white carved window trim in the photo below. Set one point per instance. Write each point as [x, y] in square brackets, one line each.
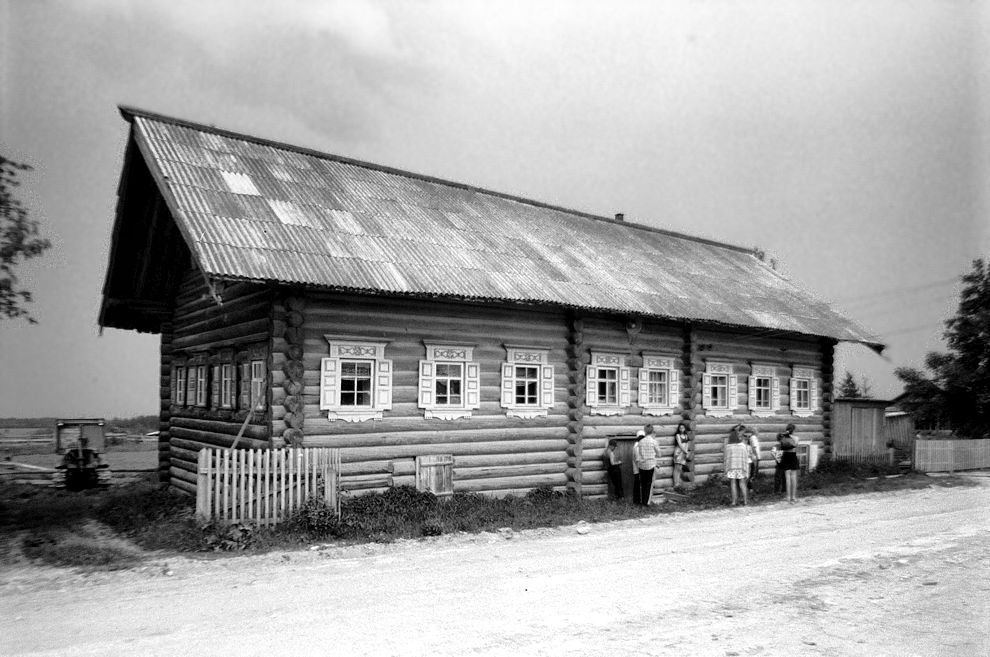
[773, 391]
[449, 353]
[653, 363]
[607, 362]
[813, 379]
[344, 349]
[713, 370]
[539, 359]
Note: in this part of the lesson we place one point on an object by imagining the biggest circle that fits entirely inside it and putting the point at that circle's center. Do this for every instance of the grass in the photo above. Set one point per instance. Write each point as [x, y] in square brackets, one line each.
[121, 527]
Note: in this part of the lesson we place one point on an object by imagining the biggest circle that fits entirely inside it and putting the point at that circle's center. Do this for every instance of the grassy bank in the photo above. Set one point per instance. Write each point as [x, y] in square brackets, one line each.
[121, 527]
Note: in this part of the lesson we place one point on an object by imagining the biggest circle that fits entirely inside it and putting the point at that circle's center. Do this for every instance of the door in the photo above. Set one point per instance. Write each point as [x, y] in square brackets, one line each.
[865, 432]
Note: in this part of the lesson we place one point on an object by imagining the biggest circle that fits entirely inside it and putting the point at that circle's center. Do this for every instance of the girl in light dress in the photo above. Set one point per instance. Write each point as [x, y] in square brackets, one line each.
[681, 440]
[736, 466]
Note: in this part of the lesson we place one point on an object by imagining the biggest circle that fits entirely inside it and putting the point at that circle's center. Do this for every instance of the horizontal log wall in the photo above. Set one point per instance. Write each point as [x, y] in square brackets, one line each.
[202, 326]
[610, 334]
[493, 453]
[742, 351]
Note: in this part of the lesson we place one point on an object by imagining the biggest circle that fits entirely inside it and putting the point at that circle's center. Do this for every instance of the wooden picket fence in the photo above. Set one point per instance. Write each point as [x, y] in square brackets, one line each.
[951, 455]
[264, 486]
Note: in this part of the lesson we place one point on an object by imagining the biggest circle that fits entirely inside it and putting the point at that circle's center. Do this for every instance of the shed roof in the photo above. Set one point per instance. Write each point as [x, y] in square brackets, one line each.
[256, 210]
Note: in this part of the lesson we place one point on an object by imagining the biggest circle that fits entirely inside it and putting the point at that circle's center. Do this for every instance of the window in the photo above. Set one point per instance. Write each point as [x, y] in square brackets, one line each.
[719, 390]
[179, 386]
[355, 383]
[258, 379]
[608, 384]
[801, 389]
[764, 390]
[252, 389]
[201, 371]
[527, 382]
[227, 385]
[656, 387]
[805, 392]
[215, 386]
[449, 381]
[659, 385]
[355, 380]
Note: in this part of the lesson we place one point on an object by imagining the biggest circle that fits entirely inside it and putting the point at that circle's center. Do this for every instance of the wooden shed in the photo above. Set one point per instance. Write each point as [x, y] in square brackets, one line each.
[858, 429]
[397, 316]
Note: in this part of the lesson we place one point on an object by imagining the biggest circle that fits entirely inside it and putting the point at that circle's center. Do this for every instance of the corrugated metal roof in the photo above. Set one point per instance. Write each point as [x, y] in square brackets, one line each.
[258, 210]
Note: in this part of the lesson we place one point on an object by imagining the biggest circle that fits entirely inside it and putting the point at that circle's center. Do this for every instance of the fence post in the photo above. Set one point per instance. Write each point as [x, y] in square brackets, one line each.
[203, 485]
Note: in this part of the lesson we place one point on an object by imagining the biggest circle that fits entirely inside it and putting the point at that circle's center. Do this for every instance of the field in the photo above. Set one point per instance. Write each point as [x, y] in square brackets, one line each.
[31, 442]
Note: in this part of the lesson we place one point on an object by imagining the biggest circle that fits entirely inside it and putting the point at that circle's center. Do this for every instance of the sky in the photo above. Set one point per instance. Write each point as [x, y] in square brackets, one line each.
[848, 140]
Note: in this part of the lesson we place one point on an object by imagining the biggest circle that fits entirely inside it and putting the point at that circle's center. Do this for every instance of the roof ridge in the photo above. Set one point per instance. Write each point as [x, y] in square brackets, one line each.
[129, 113]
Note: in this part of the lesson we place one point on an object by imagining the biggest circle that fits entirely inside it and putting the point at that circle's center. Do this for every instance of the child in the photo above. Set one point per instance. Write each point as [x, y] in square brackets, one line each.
[681, 439]
[736, 465]
[613, 463]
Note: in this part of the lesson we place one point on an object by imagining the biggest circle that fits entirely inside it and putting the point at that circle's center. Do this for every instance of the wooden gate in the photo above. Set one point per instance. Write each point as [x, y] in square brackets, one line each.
[264, 486]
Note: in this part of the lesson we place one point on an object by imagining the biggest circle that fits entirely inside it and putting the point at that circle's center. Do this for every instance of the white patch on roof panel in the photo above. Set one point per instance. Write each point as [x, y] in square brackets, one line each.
[289, 213]
[239, 183]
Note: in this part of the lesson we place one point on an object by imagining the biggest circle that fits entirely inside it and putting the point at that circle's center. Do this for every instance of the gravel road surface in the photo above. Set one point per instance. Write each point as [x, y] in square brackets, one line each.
[899, 573]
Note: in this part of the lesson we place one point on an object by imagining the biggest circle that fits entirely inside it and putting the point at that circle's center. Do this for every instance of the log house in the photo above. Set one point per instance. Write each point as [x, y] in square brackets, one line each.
[336, 303]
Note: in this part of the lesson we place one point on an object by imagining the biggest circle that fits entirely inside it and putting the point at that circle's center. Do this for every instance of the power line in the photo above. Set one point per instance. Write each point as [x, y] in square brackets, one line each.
[898, 290]
[913, 329]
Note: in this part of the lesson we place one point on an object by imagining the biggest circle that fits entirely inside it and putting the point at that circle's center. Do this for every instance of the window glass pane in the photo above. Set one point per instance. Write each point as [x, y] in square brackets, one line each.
[657, 387]
[802, 393]
[608, 385]
[719, 391]
[355, 383]
[526, 385]
[762, 392]
[448, 384]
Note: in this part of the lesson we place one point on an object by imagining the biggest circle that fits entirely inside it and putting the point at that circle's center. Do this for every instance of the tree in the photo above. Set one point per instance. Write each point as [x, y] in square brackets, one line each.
[852, 390]
[848, 387]
[19, 241]
[958, 392]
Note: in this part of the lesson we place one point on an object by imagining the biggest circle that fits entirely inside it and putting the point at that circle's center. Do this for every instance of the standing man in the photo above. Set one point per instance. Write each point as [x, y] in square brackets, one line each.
[647, 452]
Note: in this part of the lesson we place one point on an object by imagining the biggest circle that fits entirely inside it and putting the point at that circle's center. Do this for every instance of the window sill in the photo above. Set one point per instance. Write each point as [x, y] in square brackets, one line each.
[606, 410]
[526, 413]
[354, 416]
[658, 410]
[447, 414]
[719, 412]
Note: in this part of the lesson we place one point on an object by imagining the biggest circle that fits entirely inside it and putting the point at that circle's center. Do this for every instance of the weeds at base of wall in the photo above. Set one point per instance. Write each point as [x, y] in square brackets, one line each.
[119, 528]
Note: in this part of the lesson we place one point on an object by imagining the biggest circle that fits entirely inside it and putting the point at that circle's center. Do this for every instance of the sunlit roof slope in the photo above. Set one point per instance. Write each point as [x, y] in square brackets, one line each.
[252, 209]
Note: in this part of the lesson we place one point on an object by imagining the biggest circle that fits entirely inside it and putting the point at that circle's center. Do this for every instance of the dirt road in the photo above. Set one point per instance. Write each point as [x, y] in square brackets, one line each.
[903, 573]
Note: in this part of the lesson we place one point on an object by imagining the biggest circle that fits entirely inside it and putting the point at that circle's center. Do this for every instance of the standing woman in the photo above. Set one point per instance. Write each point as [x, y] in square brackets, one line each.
[681, 439]
[789, 462]
[736, 466]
